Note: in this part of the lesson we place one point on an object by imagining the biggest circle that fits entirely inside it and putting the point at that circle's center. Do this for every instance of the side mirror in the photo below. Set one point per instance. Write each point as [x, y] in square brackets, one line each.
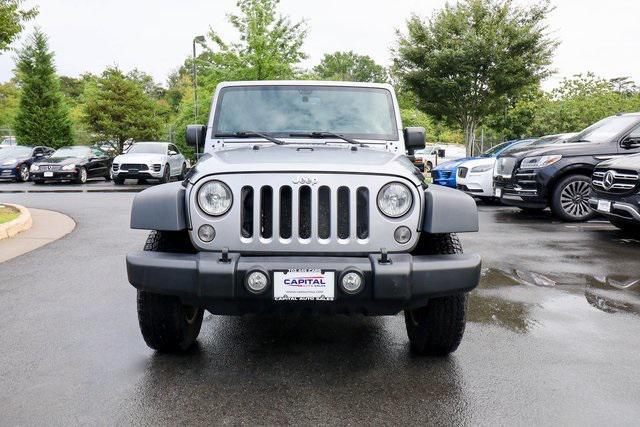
[630, 142]
[195, 135]
[441, 152]
[414, 138]
[39, 155]
[173, 153]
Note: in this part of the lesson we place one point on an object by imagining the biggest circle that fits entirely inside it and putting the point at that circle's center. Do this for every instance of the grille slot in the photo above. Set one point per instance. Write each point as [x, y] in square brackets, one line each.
[286, 216]
[266, 212]
[324, 212]
[115, 167]
[462, 172]
[615, 181]
[362, 213]
[304, 216]
[246, 212]
[343, 213]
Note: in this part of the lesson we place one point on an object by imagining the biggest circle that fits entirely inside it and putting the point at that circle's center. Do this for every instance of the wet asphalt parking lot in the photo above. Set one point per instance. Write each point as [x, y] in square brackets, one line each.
[553, 338]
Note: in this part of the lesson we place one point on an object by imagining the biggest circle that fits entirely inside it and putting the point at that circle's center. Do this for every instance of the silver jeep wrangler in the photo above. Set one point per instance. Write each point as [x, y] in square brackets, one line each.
[304, 201]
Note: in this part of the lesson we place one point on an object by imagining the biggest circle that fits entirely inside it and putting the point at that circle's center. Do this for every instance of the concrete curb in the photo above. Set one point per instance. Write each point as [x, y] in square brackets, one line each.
[22, 223]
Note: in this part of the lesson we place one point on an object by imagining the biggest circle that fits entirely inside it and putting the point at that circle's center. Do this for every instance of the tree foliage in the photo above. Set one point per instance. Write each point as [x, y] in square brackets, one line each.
[349, 66]
[42, 116]
[470, 59]
[117, 109]
[12, 20]
[9, 101]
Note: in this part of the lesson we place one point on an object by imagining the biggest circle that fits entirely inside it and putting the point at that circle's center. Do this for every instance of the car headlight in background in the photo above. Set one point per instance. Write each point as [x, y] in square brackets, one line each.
[394, 199]
[9, 162]
[482, 168]
[70, 167]
[35, 168]
[539, 161]
[215, 198]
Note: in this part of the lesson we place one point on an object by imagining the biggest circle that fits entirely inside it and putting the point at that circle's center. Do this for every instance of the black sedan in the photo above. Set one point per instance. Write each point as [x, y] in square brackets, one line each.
[16, 161]
[77, 164]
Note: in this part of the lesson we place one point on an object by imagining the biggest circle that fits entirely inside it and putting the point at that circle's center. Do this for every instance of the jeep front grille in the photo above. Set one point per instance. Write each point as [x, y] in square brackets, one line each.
[271, 213]
[304, 214]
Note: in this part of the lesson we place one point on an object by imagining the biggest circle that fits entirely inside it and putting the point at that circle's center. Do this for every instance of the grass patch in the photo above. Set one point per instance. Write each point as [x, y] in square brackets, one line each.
[8, 213]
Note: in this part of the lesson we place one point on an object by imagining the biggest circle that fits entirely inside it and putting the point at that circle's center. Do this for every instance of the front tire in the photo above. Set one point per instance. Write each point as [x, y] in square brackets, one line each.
[437, 328]
[166, 176]
[23, 173]
[570, 199]
[183, 172]
[118, 181]
[82, 176]
[166, 324]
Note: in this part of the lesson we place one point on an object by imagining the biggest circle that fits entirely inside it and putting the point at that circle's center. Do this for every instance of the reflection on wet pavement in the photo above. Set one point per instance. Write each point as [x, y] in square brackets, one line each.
[508, 298]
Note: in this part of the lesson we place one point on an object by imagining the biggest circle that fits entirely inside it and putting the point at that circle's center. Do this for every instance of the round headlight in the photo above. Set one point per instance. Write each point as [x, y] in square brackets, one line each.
[215, 198]
[395, 199]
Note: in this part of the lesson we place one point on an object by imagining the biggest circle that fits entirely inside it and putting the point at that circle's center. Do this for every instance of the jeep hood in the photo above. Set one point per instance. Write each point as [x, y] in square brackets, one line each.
[567, 149]
[627, 162]
[305, 158]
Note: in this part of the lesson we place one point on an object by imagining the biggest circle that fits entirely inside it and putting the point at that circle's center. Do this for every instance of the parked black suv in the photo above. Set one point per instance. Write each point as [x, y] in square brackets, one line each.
[559, 175]
[616, 192]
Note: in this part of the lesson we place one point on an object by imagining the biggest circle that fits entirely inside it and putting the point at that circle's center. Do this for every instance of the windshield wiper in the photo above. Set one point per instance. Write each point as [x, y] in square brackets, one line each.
[325, 134]
[250, 134]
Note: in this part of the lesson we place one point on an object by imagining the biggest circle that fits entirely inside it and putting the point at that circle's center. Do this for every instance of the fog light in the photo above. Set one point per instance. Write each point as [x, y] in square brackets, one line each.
[352, 282]
[206, 233]
[402, 234]
[257, 282]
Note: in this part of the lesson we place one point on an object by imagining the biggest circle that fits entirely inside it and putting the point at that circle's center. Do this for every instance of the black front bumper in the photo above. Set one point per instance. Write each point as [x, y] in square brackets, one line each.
[57, 175]
[621, 207]
[406, 281]
[515, 192]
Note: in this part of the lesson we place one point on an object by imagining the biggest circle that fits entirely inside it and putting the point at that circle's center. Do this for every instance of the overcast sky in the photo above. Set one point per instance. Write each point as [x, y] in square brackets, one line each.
[155, 35]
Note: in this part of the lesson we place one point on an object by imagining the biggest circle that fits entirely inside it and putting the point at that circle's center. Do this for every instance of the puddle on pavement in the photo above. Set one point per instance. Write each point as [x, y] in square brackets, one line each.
[508, 298]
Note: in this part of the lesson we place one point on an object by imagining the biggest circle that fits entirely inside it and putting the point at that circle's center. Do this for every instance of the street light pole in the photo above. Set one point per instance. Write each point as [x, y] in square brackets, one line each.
[199, 39]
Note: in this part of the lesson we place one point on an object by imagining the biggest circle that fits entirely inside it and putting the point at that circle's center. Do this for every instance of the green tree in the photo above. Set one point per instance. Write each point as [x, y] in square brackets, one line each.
[12, 20]
[469, 59]
[350, 66]
[42, 116]
[9, 101]
[117, 110]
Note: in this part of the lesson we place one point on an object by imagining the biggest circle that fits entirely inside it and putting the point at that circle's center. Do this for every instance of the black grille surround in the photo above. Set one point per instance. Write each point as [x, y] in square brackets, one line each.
[135, 166]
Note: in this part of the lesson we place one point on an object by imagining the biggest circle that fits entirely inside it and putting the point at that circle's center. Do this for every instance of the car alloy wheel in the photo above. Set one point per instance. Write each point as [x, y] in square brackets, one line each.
[24, 173]
[575, 199]
[83, 175]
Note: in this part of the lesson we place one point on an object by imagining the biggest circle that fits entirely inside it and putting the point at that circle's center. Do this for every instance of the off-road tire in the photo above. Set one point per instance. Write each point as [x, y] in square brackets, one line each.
[626, 226]
[437, 328]
[168, 325]
[563, 208]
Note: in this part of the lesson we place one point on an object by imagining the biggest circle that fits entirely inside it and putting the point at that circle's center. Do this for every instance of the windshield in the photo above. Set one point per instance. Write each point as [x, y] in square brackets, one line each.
[148, 149]
[605, 129]
[364, 113]
[73, 152]
[16, 152]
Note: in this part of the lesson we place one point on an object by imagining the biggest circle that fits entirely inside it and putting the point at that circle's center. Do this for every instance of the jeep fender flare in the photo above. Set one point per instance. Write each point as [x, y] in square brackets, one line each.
[449, 211]
[162, 207]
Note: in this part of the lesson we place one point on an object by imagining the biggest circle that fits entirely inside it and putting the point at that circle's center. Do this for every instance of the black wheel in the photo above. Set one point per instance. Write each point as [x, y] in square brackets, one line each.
[570, 199]
[166, 176]
[428, 167]
[118, 181]
[82, 176]
[437, 328]
[168, 325]
[23, 173]
[626, 225]
[183, 172]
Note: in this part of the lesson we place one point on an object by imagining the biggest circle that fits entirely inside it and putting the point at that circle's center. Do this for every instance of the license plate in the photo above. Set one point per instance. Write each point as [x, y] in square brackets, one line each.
[304, 285]
[48, 174]
[604, 205]
[498, 192]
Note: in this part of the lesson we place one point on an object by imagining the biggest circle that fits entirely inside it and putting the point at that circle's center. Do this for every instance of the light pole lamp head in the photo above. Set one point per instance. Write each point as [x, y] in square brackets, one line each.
[199, 39]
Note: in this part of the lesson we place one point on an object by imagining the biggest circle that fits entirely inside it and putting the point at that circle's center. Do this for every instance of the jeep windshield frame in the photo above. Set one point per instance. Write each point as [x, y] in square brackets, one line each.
[282, 111]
